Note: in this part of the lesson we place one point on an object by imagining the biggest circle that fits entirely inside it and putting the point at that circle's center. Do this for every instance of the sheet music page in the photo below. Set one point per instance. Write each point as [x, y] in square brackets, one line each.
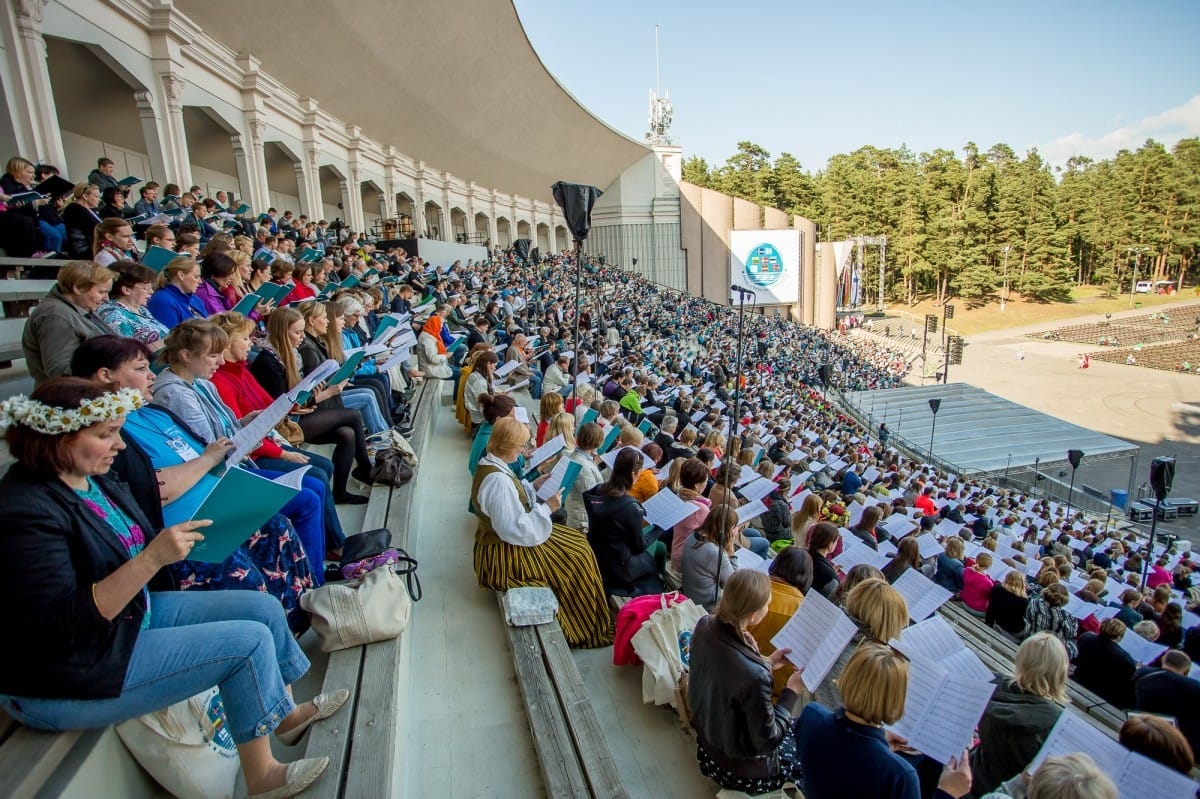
[922, 594]
[751, 510]
[506, 368]
[933, 638]
[397, 358]
[250, 437]
[557, 477]
[746, 559]
[1142, 778]
[856, 511]
[817, 633]
[293, 479]
[941, 709]
[758, 489]
[546, 451]
[1072, 733]
[929, 546]
[318, 375]
[858, 553]
[745, 475]
[666, 510]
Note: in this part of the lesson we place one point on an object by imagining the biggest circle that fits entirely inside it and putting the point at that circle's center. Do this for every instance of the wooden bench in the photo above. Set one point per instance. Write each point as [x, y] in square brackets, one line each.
[11, 268]
[360, 741]
[11, 331]
[571, 749]
[19, 296]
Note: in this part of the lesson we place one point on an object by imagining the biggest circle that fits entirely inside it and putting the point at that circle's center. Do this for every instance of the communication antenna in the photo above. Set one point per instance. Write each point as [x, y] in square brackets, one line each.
[661, 111]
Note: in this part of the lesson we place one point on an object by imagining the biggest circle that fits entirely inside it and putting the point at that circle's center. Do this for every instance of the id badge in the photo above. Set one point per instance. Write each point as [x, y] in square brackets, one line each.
[183, 449]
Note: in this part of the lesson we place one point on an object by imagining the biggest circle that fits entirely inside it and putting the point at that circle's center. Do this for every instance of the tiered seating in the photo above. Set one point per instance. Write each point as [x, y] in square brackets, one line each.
[1146, 328]
[1178, 356]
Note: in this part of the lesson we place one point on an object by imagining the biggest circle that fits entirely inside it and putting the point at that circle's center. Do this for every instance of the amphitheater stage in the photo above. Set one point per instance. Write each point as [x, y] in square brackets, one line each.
[980, 434]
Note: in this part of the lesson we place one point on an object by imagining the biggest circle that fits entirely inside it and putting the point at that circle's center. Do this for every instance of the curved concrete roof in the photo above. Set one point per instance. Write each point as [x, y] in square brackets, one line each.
[454, 83]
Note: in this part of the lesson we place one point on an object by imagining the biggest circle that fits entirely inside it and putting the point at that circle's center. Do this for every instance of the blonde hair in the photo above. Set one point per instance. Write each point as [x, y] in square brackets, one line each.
[82, 276]
[507, 434]
[278, 325]
[239, 259]
[808, 515]
[174, 268]
[954, 547]
[747, 591]
[714, 441]
[874, 683]
[1014, 583]
[880, 607]
[1041, 667]
[562, 424]
[1073, 776]
[631, 436]
[983, 560]
[551, 403]
[233, 323]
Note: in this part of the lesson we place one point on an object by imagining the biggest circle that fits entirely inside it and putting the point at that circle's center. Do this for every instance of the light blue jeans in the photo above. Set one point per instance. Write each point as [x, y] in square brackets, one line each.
[759, 545]
[363, 400]
[236, 640]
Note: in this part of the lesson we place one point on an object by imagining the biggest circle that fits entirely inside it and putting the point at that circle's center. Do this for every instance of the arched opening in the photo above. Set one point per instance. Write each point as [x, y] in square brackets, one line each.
[483, 232]
[283, 188]
[523, 230]
[211, 154]
[561, 238]
[504, 237]
[434, 225]
[372, 197]
[332, 202]
[543, 238]
[406, 216]
[97, 112]
[458, 225]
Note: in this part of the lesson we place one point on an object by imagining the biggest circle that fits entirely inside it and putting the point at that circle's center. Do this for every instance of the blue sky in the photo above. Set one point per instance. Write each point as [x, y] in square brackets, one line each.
[818, 79]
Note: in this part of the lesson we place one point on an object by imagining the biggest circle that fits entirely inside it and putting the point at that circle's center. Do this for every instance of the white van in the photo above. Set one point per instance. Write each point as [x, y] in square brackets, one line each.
[1144, 286]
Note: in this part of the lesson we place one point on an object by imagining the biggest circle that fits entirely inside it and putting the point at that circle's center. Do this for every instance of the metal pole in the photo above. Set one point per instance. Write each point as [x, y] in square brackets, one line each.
[1137, 262]
[1004, 293]
[575, 338]
[1071, 491]
[946, 363]
[1150, 545]
[882, 266]
[737, 393]
[932, 428]
[924, 346]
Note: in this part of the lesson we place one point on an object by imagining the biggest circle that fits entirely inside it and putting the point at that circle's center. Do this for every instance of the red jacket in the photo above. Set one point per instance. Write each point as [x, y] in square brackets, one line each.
[243, 394]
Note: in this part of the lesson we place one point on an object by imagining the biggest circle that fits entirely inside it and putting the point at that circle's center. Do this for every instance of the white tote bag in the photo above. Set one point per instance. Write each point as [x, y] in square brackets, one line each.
[186, 747]
[358, 612]
[657, 644]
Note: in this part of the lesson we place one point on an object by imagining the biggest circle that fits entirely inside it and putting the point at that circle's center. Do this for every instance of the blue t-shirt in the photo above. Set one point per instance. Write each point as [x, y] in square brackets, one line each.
[166, 443]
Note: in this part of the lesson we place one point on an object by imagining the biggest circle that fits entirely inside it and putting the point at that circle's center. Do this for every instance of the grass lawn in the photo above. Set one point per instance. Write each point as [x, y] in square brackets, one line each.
[1085, 300]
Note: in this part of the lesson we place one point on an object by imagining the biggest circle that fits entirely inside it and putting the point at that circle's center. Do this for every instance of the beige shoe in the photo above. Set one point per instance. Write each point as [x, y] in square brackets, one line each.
[300, 775]
[326, 704]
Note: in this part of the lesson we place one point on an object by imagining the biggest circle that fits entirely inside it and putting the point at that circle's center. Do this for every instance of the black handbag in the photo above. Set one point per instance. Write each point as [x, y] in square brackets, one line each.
[366, 544]
[390, 468]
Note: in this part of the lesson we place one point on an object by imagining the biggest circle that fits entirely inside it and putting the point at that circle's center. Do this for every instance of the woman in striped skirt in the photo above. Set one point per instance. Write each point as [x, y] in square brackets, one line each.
[517, 545]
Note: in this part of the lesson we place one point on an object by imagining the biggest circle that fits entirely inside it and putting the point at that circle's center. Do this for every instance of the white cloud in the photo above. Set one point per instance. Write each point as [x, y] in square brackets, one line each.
[1168, 127]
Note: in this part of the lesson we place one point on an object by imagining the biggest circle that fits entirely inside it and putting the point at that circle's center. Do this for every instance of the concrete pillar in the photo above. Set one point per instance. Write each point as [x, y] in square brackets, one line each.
[28, 91]
[157, 146]
[691, 224]
[350, 196]
[251, 162]
[808, 269]
[717, 213]
[774, 219]
[827, 286]
[309, 185]
[746, 215]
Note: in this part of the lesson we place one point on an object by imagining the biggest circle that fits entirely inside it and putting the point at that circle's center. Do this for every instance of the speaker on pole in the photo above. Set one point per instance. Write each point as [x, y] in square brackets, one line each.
[825, 372]
[1162, 475]
[1075, 457]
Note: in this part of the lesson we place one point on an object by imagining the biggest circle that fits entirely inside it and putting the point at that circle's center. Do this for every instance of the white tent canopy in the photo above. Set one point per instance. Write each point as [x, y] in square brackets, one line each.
[980, 433]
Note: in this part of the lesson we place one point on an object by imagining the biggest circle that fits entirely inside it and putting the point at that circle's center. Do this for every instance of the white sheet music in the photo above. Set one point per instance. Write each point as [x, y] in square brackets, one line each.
[745, 475]
[249, 437]
[898, 525]
[506, 368]
[318, 375]
[293, 479]
[941, 709]
[928, 545]
[554, 480]
[398, 357]
[922, 594]
[1072, 733]
[546, 451]
[947, 527]
[858, 553]
[856, 509]
[758, 489]
[751, 510]
[1142, 778]
[521, 414]
[817, 633]
[666, 510]
[1139, 648]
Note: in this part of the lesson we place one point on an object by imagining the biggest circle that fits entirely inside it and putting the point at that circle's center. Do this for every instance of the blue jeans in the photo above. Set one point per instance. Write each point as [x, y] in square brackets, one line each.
[363, 400]
[238, 641]
[53, 236]
[322, 469]
[535, 384]
[759, 545]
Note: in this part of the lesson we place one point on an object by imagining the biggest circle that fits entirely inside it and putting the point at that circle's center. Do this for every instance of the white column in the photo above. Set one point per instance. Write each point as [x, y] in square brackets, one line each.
[309, 185]
[174, 134]
[251, 165]
[29, 97]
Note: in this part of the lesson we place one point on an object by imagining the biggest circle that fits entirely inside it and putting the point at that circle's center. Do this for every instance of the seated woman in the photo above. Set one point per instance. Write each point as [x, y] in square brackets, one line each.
[791, 577]
[319, 345]
[744, 740]
[277, 368]
[977, 584]
[216, 277]
[548, 406]
[1103, 667]
[1159, 739]
[174, 299]
[645, 485]
[589, 439]
[113, 242]
[822, 539]
[949, 574]
[495, 407]
[19, 219]
[164, 463]
[629, 566]
[125, 311]
[192, 352]
[706, 562]
[65, 319]
[78, 552]
[846, 753]
[80, 217]
[693, 477]
[516, 544]
[1045, 613]
[1074, 776]
[1007, 603]
[881, 614]
[908, 556]
[433, 358]
[864, 530]
[345, 315]
[1021, 713]
[481, 380]
[302, 277]
[243, 395]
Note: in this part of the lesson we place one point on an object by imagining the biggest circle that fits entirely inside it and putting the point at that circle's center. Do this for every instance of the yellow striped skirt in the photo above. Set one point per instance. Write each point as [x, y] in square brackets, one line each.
[565, 564]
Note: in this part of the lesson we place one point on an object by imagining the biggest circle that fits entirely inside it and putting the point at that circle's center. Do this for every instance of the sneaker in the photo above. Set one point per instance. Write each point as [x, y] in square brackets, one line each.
[44, 254]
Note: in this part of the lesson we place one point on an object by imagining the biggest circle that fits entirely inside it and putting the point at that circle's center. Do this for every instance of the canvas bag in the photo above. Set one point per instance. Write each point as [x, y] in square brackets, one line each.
[658, 645]
[186, 747]
[357, 612]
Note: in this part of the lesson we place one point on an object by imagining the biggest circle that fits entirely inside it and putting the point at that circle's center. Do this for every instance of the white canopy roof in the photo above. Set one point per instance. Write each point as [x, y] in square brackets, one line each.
[978, 432]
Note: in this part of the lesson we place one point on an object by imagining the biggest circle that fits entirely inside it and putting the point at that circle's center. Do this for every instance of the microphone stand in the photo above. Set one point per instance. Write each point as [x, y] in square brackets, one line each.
[737, 385]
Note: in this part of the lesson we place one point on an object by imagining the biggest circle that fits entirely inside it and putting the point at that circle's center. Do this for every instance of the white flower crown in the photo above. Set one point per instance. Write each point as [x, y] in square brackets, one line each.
[54, 421]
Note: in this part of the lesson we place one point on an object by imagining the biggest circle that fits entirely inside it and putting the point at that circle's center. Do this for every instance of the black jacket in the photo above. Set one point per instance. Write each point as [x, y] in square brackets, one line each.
[1171, 694]
[615, 532]
[1012, 730]
[81, 225]
[52, 551]
[1006, 610]
[729, 691]
[1105, 668]
[825, 579]
[313, 353]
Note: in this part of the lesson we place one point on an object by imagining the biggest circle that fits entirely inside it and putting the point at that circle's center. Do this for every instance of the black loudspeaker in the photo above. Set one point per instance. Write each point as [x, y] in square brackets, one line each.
[825, 372]
[934, 404]
[1162, 475]
[1075, 456]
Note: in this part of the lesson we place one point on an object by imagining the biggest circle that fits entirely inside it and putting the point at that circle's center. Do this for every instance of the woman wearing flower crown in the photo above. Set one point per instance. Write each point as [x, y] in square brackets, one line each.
[83, 578]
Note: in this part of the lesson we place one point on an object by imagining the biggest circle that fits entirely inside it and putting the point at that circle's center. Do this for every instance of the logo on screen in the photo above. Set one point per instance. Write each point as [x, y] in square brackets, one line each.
[763, 265]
